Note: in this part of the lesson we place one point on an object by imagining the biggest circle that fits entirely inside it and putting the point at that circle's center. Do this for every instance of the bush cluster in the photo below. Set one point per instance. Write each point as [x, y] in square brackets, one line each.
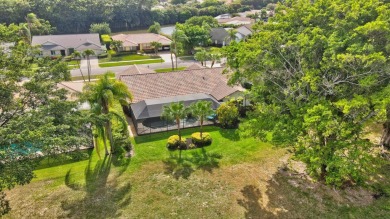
[174, 142]
[204, 141]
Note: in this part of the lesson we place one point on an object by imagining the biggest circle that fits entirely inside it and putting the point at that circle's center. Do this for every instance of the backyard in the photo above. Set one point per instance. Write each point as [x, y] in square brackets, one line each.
[235, 177]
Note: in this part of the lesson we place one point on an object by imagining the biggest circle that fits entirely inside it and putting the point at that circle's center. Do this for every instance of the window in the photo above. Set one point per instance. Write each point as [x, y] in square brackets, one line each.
[52, 52]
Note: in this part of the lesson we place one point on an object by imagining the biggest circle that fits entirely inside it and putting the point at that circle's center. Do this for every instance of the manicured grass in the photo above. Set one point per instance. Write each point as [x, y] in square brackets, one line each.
[103, 65]
[128, 57]
[235, 177]
[169, 69]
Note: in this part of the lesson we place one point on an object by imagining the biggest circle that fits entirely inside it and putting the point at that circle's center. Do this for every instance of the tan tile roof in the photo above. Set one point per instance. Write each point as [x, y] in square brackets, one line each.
[135, 69]
[194, 66]
[135, 39]
[156, 85]
[236, 20]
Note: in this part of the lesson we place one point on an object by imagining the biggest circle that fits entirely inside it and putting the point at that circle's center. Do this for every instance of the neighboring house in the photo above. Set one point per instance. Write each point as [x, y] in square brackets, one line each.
[244, 31]
[219, 36]
[151, 91]
[65, 45]
[141, 41]
[236, 21]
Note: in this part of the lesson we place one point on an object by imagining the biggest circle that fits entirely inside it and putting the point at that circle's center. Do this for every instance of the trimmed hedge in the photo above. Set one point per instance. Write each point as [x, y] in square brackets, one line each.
[204, 141]
[174, 143]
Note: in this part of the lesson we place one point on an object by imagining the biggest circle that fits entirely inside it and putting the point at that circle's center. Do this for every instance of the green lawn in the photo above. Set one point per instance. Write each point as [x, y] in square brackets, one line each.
[111, 64]
[235, 177]
[169, 69]
[128, 57]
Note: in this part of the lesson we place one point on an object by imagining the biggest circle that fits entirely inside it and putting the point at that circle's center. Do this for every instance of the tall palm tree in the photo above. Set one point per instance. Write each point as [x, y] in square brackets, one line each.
[103, 93]
[231, 35]
[77, 56]
[87, 53]
[201, 56]
[214, 57]
[201, 110]
[172, 45]
[175, 111]
[31, 19]
[178, 37]
[156, 46]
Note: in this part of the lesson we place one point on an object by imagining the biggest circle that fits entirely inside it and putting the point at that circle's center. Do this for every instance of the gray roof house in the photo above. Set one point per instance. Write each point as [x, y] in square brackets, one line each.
[219, 36]
[65, 45]
[244, 31]
[152, 91]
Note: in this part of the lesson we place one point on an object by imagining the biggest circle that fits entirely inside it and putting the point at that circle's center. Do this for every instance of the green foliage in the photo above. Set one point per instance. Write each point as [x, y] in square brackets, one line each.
[228, 115]
[106, 38]
[175, 112]
[174, 142]
[201, 141]
[101, 96]
[155, 28]
[35, 115]
[100, 28]
[196, 35]
[202, 20]
[318, 81]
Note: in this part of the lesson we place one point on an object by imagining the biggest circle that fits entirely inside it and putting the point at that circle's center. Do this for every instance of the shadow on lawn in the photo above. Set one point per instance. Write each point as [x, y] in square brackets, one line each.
[184, 166]
[289, 195]
[103, 197]
[231, 134]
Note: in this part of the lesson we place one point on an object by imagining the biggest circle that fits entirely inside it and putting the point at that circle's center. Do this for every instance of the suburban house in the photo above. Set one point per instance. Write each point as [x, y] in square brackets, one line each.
[236, 21]
[151, 91]
[244, 32]
[219, 36]
[65, 45]
[141, 41]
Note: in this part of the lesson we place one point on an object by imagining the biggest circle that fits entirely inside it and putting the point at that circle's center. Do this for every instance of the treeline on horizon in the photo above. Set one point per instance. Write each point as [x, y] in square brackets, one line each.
[76, 16]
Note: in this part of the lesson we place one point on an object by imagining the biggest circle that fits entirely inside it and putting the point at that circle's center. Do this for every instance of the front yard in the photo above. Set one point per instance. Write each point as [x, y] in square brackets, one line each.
[128, 59]
[234, 177]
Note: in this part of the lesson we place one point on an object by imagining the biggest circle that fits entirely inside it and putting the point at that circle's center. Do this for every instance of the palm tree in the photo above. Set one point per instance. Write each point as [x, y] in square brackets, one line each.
[201, 110]
[156, 46]
[201, 56]
[231, 35]
[31, 19]
[103, 93]
[77, 56]
[86, 54]
[178, 37]
[214, 57]
[175, 111]
[173, 65]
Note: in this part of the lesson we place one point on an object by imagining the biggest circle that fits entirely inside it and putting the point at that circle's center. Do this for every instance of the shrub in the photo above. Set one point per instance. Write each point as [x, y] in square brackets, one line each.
[106, 38]
[204, 141]
[228, 115]
[174, 142]
[103, 55]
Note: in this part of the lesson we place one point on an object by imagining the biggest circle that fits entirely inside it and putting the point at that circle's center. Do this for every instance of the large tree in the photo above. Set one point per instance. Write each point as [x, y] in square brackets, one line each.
[178, 39]
[102, 95]
[319, 71]
[35, 116]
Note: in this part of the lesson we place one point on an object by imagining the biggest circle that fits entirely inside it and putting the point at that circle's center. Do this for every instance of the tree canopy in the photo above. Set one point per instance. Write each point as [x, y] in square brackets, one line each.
[35, 116]
[320, 75]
